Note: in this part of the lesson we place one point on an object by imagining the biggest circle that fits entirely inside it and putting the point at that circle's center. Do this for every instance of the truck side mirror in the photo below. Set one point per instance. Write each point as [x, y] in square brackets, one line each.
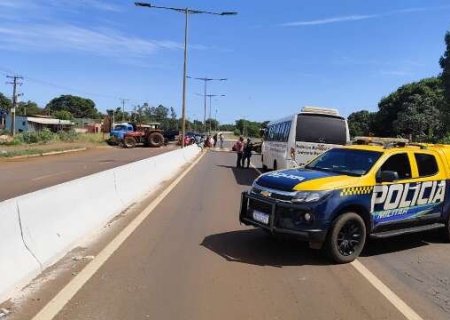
[387, 176]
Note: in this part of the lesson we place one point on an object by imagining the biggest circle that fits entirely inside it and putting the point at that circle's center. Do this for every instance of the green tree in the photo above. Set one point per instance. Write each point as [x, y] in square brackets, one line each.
[79, 107]
[28, 108]
[421, 118]
[227, 127]
[63, 115]
[445, 76]
[211, 123]
[360, 123]
[430, 90]
[5, 103]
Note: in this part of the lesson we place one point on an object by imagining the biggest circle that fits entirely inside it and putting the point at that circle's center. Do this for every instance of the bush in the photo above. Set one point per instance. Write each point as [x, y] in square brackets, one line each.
[68, 136]
[45, 136]
[237, 132]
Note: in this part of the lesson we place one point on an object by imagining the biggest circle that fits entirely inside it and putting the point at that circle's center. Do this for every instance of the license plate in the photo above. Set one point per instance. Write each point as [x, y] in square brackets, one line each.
[260, 216]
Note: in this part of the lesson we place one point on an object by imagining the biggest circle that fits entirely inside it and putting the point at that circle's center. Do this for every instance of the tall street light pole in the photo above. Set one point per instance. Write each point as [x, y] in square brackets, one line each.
[186, 12]
[210, 99]
[206, 80]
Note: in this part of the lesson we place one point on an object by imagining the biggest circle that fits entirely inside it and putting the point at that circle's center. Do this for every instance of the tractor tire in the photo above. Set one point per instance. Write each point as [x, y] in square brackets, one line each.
[129, 142]
[155, 139]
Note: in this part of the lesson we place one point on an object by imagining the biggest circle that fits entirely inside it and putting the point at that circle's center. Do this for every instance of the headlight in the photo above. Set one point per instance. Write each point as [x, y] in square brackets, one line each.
[310, 196]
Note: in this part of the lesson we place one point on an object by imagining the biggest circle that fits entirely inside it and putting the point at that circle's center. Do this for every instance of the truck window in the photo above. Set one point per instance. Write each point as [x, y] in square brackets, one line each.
[426, 163]
[398, 163]
[321, 129]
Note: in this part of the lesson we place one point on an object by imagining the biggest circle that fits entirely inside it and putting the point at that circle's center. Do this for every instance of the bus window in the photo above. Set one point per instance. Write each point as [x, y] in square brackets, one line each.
[321, 129]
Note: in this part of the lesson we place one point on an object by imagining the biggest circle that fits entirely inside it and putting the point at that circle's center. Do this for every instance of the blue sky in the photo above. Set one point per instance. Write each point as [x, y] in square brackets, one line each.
[278, 56]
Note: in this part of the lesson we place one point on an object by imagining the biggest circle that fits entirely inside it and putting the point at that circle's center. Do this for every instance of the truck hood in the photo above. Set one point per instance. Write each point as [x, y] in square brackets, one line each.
[305, 180]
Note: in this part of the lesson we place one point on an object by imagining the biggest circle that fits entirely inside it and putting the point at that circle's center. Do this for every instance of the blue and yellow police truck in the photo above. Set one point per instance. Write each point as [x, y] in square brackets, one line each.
[369, 189]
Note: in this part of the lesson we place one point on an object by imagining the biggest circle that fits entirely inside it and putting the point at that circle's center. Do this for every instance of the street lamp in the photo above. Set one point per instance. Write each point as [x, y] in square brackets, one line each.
[186, 12]
[210, 98]
[205, 80]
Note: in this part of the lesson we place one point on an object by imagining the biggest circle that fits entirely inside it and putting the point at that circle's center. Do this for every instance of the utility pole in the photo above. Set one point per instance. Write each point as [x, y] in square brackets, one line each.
[123, 108]
[14, 83]
[210, 98]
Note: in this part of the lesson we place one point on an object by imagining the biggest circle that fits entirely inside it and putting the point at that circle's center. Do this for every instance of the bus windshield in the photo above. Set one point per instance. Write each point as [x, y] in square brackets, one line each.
[345, 161]
[321, 129]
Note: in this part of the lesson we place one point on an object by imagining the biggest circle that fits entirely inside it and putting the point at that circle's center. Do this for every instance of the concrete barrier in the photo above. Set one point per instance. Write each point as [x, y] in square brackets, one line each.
[17, 264]
[38, 228]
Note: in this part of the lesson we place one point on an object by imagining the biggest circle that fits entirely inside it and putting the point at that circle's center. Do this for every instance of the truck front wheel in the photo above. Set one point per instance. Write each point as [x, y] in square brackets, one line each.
[129, 142]
[346, 238]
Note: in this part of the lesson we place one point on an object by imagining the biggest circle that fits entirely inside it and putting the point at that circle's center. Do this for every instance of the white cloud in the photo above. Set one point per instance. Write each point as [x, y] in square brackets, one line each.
[358, 17]
[329, 20]
[65, 37]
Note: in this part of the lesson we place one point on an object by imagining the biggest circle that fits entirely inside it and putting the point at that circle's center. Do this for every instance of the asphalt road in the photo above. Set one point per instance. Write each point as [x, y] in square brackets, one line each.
[22, 176]
[191, 259]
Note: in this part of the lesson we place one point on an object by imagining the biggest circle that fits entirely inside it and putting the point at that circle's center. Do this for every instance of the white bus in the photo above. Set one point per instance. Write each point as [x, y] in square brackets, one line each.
[295, 140]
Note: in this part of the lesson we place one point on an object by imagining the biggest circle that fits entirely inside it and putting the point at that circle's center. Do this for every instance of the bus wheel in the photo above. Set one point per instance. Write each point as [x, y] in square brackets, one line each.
[346, 238]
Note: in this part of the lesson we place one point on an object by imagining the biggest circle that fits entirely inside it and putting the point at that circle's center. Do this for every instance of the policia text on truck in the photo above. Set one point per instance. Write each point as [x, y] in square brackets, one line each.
[349, 193]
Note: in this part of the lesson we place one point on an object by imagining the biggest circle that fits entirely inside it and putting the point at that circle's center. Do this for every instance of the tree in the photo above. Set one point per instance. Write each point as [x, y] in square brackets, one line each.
[445, 65]
[79, 107]
[421, 118]
[227, 127]
[63, 115]
[28, 108]
[360, 123]
[430, 89]
[5, 103]
[248, 128]
[211, 124]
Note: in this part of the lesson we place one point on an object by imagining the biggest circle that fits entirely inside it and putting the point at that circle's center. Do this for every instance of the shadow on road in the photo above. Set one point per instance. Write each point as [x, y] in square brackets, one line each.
[243, 176]
[258, 248]
[376, 247]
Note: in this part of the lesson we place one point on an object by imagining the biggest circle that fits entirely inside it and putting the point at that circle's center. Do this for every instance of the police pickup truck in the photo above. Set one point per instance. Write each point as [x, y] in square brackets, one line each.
[348, 194]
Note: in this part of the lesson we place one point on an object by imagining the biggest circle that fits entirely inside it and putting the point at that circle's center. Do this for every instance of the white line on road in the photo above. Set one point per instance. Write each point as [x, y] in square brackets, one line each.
[49, 176]
[69, 291]
[394, 299]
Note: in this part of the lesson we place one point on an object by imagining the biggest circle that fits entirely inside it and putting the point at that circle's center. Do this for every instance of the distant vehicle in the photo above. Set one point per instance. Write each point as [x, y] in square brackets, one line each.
[295, 140]
[118, 132]
[145, 135]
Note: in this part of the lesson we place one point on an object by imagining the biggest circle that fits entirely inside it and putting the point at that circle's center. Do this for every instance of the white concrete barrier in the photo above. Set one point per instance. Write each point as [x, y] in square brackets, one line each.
[38, 228]
[17, 264]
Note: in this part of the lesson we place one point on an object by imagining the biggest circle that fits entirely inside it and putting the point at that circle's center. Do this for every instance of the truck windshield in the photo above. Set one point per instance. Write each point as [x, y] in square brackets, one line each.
[120, 127]
[345, 161]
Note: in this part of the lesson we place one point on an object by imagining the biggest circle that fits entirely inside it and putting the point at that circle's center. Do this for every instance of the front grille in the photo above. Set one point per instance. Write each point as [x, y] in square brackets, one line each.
[260, 206]
[273, 194]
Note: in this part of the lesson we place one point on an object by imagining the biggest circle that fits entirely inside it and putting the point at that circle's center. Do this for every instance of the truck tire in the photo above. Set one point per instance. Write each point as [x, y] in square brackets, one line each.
[155, 139]
[346, 238]
[129, 142]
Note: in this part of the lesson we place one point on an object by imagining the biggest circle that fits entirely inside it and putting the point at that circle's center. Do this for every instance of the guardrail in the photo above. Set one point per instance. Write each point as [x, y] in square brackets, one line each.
[39, 228]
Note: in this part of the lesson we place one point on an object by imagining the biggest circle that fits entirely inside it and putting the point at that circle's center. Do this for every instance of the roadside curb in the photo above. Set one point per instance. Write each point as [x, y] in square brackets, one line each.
[50, 153]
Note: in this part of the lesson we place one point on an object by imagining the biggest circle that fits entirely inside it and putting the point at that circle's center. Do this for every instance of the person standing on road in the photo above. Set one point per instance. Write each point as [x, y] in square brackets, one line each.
[247, 153]
[215, 139]
[221, 140]
[239, 148]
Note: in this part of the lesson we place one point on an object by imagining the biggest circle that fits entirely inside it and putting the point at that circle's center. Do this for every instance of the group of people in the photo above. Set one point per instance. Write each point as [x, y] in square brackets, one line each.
[244, 152]
[212, 141]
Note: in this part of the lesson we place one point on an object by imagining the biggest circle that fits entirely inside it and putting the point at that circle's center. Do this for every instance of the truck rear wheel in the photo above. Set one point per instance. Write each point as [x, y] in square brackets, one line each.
[346, 238]
[155, 139]
[129, 142]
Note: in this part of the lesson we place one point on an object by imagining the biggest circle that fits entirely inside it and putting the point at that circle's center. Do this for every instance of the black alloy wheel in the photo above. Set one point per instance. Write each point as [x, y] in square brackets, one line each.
[347, 237]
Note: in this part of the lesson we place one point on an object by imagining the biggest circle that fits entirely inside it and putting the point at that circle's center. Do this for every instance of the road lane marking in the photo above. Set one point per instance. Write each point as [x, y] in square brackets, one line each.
[394, 299]
[58, 302]
[49, 176]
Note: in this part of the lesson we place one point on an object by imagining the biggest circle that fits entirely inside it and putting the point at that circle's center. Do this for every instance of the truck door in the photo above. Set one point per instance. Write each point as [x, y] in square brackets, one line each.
[395, 193]
[432, 183]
